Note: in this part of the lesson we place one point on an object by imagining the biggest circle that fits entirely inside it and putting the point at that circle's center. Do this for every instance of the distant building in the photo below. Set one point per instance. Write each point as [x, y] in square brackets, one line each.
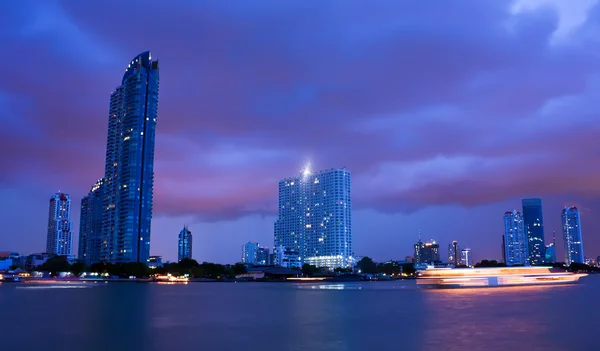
[534, 227]
[91, 242]
[515, 239]
[426, 253]
[465, 257]
[287, 258]
[250, 252]
[185, 244]
[9, 259]
[571, 223]
[409, 259]
[263, 256]
[315, 218]
[60, 236]
[35, 260]
[598, 261]
[550, 253]
[453, 253]
[155, 262]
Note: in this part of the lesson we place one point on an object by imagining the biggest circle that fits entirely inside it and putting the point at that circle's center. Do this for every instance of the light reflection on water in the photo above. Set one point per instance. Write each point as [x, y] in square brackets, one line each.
[301, 316]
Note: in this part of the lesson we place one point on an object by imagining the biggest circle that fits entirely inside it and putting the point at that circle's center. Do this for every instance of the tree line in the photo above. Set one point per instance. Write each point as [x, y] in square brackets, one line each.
[57, 264]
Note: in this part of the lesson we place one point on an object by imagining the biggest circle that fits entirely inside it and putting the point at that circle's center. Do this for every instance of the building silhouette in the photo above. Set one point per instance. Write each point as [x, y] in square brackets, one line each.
[315, 218]
[91, 241]
[573, 241]
[534, 227]
[427, 252]
[515, 239]
[184, 244]
[454, 253]
[59, 240]
[250, 252]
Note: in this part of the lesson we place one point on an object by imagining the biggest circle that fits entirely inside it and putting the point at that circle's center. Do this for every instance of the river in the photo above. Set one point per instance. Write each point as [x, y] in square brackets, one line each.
[285, 316]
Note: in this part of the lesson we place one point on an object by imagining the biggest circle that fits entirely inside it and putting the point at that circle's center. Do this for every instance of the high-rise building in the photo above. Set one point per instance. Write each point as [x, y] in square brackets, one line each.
[250, 252]
[91, 241]
[571, 224]
[263, 256]
[427, 253]
[515, 239]
[534, 227]
[465, 257]
[185, 244]
[453, 253]
[60, 236]
[315, 218]
[129, 167]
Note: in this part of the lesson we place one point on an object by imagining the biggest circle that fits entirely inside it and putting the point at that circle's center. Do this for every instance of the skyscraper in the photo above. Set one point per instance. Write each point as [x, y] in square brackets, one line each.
[315, 218]
[60, 236]
[185, 244]
[571, 224]
[453, 253]
[250, 252]
[129, 168]
[90, 225]
[534, 227]
[515, 239]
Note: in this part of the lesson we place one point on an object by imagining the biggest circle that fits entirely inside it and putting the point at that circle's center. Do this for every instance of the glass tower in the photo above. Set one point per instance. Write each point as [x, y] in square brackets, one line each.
[571, 223]
[250, 252]
[60, 236]
[129, 168]
[515, 239]
[90, 225]
[534, 226]
[185, 244]
[315, 218]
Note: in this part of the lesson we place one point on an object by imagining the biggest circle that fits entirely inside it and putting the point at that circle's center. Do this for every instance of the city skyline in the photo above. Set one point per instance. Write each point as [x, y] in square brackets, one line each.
[252, 108]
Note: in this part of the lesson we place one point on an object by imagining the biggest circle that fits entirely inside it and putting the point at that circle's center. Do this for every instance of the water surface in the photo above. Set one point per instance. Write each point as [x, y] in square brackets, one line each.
[304, 316]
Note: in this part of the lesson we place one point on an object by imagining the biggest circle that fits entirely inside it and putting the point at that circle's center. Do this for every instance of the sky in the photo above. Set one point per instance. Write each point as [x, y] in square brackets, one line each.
[446, 112]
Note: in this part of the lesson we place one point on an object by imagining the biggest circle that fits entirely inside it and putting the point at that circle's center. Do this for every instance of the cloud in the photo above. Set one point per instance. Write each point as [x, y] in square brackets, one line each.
[423, 108]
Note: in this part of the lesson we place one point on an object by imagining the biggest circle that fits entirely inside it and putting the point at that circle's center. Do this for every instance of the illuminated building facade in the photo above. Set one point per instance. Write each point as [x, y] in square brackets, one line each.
[250, 252]
[571, 225]
[427, 253]
[263, 256]
[129, 167]
[315, 218]
[60, 237]
[465, 257]
[453, 253]
[185, 244]
[91, 241]
[515, 239]
[534, 227]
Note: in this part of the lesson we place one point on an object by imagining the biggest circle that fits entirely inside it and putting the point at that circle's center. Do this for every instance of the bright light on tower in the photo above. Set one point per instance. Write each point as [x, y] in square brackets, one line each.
[306, 170]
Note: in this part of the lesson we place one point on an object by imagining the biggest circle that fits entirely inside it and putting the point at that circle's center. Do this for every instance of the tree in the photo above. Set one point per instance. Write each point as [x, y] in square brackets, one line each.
[367, 266]
[239, 268]
[55, 264]
[309, 269]
[188, 263]
[342, 270]
[78, 267]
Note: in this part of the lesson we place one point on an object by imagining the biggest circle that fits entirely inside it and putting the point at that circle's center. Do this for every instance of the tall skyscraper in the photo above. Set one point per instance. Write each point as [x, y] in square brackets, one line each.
[427, 253]
[515, 239]
[571, 224]
[185, 244]
[250, 252]
[315, 218]
[534, 227]
[90, 225]
[129, 168]
[60, 236]
[453, 253]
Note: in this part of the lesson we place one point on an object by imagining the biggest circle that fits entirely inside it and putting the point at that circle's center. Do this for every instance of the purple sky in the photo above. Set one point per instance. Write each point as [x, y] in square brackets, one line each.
[446, 113]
